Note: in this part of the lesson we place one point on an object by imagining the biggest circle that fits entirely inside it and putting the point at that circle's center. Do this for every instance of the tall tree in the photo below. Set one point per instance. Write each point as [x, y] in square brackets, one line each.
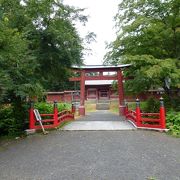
[48, 26]
[38, 43]
[148, 37]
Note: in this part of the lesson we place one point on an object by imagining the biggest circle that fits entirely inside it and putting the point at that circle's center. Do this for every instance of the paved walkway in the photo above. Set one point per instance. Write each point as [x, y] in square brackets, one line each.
[92, 155]
[101, 115]
[99, 120]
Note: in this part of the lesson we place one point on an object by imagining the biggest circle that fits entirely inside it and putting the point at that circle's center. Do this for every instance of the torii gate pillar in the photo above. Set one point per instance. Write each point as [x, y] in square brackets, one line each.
[121, 93]
[82, 94]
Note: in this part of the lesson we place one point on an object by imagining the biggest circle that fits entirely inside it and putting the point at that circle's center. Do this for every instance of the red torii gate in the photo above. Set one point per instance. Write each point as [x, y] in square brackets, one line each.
[98, 70]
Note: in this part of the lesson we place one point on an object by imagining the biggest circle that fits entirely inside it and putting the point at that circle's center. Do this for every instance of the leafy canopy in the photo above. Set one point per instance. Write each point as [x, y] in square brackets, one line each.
[38, 43]
[148, 37]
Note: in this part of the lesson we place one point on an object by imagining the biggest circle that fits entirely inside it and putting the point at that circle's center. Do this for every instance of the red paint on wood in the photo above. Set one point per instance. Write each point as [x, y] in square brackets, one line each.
[138, 116]
[120, 87]
[81, 110]
[122, 110]
[162, 117]
[31, 118]
[121, 93]
[55, 116]
[82, 94]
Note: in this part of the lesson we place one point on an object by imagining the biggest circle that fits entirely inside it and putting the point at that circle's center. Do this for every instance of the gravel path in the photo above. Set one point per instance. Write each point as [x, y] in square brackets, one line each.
[92, 155]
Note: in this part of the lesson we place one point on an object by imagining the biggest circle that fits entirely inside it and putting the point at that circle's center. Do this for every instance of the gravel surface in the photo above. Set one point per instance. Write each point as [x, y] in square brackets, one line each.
[92, 155]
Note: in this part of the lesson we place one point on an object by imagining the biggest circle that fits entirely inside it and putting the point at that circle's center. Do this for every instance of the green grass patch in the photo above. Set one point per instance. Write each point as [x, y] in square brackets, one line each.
[90, 107]
[114, 107]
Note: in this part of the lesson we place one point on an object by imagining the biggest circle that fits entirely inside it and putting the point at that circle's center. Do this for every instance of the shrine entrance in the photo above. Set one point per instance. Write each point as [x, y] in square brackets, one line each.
[103, 94]
[99, 73]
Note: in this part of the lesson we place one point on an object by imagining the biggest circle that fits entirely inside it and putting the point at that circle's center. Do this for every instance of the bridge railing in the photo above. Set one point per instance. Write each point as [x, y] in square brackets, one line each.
[49, 120]
[147, 120]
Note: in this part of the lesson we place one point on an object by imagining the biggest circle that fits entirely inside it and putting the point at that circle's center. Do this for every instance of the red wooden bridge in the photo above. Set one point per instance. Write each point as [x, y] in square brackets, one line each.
[147, 120]
[139, 119]
[49, 120]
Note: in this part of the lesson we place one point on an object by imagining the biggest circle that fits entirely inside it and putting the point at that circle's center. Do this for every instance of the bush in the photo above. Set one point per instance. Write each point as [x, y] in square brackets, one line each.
[172, 103]
[47, 108]
[173, 122]
[14, 121]
[8, 125]
[152, 105]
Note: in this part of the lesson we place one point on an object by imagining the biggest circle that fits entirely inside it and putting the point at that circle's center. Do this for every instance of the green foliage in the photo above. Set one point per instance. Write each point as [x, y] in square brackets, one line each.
[173, 122]
[152, 105]
[48, 31]
[8, 124]
[47, 108]
[172, 103]
[146, 27]
[148, 37]
[132, 105]
[150, 73]
[38, 43]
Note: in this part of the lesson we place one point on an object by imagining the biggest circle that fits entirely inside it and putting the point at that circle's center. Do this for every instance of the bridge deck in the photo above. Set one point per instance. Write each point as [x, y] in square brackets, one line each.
[99, 120]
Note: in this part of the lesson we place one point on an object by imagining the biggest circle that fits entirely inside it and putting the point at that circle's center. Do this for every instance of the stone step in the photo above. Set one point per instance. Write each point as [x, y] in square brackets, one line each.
[102, 106]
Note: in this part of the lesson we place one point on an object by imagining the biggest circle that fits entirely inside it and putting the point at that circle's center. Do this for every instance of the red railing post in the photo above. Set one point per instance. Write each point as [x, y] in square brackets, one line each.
[162, 114]
[55, 114]
[138, 113]
[73, 108]
[31, 116]
[126, 108]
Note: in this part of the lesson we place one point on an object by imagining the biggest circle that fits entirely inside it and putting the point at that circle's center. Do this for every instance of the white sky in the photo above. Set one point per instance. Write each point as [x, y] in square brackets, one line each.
[100, 21]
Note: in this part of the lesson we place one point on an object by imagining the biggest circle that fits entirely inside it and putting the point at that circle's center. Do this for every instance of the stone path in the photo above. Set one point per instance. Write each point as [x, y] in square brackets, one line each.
[92, 155]
[99, 120]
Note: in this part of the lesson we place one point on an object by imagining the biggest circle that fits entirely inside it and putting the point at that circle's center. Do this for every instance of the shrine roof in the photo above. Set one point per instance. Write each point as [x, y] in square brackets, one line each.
[101, 66]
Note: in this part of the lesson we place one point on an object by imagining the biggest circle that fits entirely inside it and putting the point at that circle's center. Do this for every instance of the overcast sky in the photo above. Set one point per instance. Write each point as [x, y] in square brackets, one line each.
[100, 21]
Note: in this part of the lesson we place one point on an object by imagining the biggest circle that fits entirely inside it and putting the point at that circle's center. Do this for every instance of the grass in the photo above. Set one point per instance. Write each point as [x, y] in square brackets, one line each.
[114, 107]
[90, 107]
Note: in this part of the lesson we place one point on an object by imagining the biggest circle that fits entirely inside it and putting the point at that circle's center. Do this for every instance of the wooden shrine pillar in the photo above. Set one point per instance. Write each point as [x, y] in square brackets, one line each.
[122, 106]
[82, 94]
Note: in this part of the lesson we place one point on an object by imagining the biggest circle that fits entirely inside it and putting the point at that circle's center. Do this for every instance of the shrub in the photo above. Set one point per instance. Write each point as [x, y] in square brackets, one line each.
[172, 103]
[14, 121]
[173, 122]
[146, 106]
[152, 105]
[8, 125]
[47, 108]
